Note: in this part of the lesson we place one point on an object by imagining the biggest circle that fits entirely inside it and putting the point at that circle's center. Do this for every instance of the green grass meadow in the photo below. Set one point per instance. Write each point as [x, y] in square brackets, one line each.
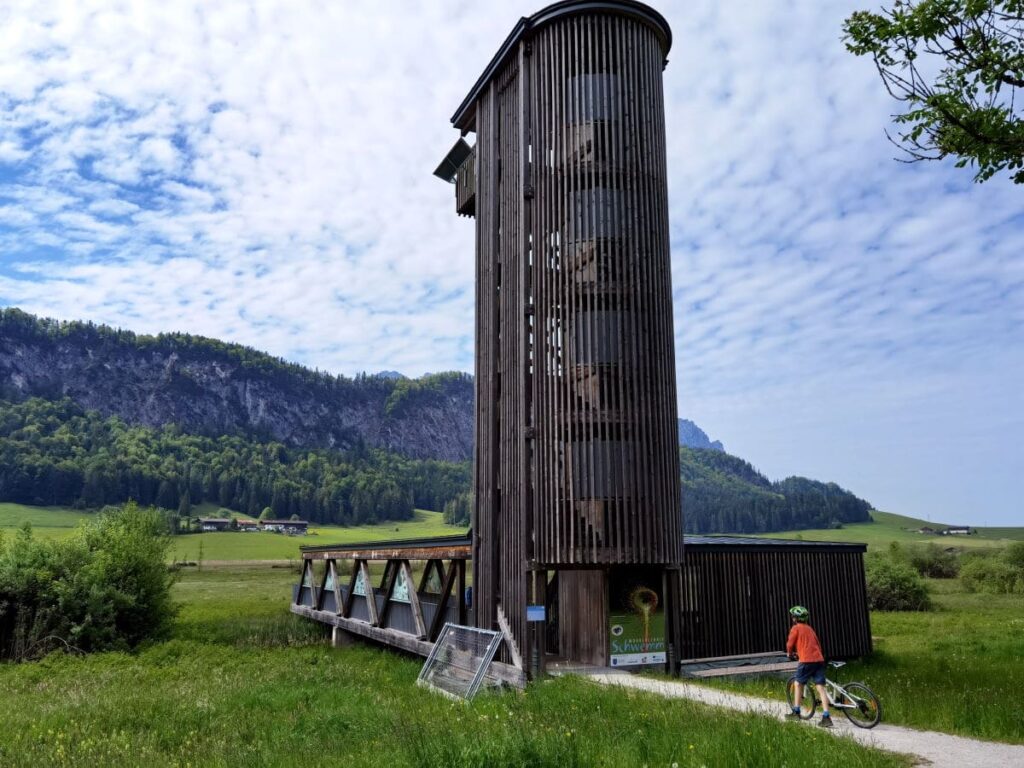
[56, 522]
[46, 522]
[257, 545]
[957, 669]
[888, 527]
[244, 683]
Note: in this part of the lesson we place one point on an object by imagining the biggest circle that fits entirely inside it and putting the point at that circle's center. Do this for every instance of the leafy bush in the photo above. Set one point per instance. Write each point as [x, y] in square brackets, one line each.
[894, 586]
[105, 587]
[992, 575]
[1014, 555]
[934, 562]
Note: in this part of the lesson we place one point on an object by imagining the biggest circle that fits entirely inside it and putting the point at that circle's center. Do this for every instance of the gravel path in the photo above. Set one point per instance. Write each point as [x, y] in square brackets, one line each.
[930, 748]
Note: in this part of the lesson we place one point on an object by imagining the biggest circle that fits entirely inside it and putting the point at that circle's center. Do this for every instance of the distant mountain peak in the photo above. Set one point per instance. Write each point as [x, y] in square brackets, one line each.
[390, 375]
[693, 436]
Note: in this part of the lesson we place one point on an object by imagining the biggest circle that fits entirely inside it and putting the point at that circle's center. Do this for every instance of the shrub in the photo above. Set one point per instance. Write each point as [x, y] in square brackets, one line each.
[105, 587]
[992, 575]
[895, 586]
[1014, 555]
[934, 562]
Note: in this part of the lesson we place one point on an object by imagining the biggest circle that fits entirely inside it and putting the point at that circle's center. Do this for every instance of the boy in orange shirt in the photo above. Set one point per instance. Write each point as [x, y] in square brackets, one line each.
[804, 641]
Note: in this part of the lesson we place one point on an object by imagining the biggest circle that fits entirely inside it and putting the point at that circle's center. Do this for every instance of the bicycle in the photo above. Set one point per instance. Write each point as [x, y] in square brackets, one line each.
[858, 702]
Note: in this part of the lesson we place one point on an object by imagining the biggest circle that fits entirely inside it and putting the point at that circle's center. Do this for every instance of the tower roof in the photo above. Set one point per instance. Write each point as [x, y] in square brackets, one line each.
[464, 117]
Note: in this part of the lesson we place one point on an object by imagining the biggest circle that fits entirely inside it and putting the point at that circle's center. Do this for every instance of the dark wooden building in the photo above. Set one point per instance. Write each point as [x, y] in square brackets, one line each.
[576, 464]
[737, 592]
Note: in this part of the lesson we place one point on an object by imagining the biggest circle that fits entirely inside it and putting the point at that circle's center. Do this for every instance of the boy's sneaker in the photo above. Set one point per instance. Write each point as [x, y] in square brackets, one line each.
[791, 715]
[826, 721]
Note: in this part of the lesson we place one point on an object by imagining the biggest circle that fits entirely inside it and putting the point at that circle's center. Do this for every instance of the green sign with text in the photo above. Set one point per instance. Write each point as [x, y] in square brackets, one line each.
[636, 621]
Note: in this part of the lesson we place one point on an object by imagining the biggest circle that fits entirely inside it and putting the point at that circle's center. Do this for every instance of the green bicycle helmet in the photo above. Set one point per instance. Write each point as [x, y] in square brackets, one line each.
[799, 613]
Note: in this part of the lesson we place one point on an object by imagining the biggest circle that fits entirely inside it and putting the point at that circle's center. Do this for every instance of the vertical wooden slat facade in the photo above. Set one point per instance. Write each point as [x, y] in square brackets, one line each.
[738, 592]
[576, 457]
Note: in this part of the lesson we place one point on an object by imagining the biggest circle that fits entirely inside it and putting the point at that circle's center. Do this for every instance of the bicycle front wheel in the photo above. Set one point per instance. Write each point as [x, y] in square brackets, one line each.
[807, 702]
[866, 711]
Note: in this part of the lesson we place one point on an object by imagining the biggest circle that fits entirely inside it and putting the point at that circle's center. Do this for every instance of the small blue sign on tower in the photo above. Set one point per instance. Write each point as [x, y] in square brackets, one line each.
[536, 613]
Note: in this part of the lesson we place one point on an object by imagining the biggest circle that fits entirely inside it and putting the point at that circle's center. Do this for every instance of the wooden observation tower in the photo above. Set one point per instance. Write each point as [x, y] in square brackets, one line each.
[577, 538]
[577, 527]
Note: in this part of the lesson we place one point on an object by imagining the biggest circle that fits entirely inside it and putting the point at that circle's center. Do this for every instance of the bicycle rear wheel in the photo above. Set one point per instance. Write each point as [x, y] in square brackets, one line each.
[867, 709]
[808, 702]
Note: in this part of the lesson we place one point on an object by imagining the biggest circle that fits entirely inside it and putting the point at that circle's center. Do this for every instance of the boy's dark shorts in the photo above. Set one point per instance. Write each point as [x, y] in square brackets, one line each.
[811, 670]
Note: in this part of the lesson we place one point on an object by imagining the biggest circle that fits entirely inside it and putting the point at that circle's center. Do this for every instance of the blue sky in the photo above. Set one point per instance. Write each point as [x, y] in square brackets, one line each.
[261, 173]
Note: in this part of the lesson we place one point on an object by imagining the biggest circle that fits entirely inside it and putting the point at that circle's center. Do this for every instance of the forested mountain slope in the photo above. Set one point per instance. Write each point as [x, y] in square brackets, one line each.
[208, 387]
[175, 418]
[56, 453]
[725, 494]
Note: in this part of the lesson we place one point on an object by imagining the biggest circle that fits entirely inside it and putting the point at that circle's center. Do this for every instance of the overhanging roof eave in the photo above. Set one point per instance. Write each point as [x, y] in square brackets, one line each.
[464, 117]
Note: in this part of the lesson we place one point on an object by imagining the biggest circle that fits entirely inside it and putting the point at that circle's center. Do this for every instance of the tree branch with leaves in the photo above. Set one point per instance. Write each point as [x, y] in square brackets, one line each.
[958, 67]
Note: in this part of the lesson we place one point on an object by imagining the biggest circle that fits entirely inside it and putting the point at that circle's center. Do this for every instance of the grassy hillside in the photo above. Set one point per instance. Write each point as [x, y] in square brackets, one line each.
[228, 545]
[55, 522]
[888, 527]
[244, 683]
[1003, 533]
[47, 522]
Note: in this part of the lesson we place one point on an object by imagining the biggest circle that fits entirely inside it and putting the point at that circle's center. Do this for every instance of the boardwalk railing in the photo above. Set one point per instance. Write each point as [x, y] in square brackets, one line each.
[422, 587]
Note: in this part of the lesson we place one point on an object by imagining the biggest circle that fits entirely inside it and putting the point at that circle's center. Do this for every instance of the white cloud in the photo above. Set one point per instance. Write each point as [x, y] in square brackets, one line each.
[261, 173]
[11, 152]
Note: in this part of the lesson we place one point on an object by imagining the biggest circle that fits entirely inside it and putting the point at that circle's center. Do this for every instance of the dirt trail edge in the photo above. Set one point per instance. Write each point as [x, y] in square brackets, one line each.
[930, 747]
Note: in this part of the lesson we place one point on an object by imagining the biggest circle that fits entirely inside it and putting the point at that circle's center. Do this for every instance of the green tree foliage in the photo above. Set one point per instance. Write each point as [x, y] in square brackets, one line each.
[894, 586]
[410, 395]
[56, 453]
[459, 510]
[105, 587]
[1000, 573]
[930, 560]
[1014, 555]
[723, 493]
[958, 68]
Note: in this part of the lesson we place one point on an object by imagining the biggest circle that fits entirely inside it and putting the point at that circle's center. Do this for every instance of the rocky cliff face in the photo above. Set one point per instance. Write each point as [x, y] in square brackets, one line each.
[211, 388]
[693, 436]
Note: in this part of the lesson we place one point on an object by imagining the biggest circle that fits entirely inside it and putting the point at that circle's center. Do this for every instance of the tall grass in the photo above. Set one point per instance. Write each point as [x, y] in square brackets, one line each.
[187, 703]
[237, 687]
